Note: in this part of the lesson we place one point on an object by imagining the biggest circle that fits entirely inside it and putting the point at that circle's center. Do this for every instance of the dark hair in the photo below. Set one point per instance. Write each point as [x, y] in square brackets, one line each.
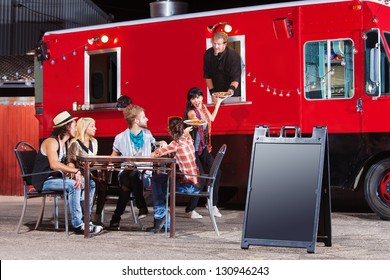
[62, 130]
[192, 93]
[123, 101]
[176, 127]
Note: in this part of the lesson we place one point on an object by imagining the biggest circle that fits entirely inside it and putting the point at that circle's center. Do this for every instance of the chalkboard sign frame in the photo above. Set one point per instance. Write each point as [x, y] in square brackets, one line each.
[288, 196]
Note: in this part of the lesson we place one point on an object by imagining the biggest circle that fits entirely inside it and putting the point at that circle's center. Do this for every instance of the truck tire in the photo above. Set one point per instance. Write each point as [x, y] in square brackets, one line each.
[377, 188]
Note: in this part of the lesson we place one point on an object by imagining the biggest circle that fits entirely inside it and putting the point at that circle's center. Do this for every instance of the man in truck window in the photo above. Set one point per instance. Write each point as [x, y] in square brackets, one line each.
[222, 66]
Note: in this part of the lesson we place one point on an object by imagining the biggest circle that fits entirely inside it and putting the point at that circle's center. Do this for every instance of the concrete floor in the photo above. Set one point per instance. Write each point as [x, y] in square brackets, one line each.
[355, 236]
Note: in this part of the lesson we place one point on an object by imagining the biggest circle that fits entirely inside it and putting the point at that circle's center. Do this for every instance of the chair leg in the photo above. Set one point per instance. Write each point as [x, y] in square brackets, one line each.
[66, 214]
[133, 211]
[211, 213]
[56, 212]
[23, 213]
[40, 217]
[167, 209]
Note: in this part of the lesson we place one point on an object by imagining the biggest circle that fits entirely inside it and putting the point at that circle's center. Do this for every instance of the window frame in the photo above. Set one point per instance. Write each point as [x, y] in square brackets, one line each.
[235, 99]
[87, 73]
[326, 86]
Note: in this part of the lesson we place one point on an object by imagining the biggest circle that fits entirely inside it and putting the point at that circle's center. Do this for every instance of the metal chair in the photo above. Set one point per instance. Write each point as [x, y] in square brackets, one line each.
[210, 182]
[26, 154]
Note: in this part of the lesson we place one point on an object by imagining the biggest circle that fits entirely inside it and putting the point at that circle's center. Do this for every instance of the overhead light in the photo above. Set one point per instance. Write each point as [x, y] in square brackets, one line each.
[220, 26]
[104, 39]
[92, 40]
[98, 39]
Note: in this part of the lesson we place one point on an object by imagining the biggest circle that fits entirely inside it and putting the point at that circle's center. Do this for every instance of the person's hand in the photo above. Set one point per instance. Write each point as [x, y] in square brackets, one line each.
[219, 101]
[230, 91]
[163, 144]
[78, 177]
[187, 130]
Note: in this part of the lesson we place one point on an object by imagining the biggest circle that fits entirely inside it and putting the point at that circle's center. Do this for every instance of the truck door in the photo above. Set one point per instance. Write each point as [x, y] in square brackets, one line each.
[376, 100]
[330, 99]
[376, 125]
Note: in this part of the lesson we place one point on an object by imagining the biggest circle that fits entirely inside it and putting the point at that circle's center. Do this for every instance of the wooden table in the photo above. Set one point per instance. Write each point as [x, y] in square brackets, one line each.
[90, 163]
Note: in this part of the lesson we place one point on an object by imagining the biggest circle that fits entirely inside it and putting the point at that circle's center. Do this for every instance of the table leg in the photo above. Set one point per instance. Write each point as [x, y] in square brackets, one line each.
[86, 200]
[173, 199]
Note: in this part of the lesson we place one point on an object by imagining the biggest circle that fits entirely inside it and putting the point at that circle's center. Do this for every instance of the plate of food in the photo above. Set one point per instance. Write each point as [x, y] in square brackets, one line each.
[195, 122]
[222, 94]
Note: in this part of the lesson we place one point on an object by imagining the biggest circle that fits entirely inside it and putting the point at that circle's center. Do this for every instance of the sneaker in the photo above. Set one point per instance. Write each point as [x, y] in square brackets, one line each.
[215, 211]
[143, 212]
[193, 215]
[93, 229]
[114, 226]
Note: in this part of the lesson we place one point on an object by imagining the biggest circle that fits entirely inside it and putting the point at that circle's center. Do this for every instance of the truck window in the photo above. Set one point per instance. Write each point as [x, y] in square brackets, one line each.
[102, 76]
[377, 71]
[237, 43]
[329, 69]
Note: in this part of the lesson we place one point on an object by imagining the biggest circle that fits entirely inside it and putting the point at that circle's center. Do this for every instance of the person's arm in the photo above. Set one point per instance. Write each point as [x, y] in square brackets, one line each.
[210, 85]
[191, 115]
[50, 147]
[169, 149]
[114, 153]
[187, 131]
[213, 115]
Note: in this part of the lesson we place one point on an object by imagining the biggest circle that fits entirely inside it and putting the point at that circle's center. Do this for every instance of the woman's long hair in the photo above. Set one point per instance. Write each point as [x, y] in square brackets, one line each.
[82, 125]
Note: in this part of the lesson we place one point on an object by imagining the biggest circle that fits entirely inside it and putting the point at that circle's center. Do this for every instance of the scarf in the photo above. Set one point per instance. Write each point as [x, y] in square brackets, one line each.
[138, 140]
[200, 132]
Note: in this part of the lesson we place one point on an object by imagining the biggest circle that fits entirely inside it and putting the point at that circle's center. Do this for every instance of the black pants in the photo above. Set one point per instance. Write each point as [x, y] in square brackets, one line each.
[129, 181]
[204, 163]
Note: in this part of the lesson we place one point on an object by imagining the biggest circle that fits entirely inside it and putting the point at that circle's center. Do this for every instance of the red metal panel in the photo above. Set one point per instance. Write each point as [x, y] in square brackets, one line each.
[18, 123]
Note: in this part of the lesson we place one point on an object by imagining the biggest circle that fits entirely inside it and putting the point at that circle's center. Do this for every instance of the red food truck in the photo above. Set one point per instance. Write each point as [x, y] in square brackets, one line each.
[304, 64]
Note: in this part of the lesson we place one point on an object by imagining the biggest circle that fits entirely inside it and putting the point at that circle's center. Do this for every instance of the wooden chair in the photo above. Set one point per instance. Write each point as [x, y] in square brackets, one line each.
[26, 154]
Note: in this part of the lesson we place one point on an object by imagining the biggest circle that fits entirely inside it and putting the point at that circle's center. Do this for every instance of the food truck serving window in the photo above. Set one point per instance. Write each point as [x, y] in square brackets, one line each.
[102, 76]
[236, 43]
[329, 67]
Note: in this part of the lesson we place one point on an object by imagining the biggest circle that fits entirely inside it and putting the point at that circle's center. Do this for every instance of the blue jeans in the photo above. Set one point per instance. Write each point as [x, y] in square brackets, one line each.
[159, 188]
[75, 197]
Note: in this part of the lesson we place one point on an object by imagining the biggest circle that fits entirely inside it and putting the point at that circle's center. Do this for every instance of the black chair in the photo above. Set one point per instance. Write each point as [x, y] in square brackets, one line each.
[210, 181]
[25, 154]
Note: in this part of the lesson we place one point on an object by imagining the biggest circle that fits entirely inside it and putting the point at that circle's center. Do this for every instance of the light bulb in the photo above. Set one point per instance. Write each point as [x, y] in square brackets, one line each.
[104, 39]
[228, 28]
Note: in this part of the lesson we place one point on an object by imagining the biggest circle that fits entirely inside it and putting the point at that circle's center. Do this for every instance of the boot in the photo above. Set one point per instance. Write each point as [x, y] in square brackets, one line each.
[158, 225]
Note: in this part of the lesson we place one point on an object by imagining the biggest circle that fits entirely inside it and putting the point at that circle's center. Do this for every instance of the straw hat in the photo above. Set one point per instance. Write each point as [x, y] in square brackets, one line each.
[62, 119]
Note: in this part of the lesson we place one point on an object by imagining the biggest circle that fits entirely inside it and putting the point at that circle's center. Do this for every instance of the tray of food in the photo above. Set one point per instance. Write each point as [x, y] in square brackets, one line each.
[195, 122]
[222, 94]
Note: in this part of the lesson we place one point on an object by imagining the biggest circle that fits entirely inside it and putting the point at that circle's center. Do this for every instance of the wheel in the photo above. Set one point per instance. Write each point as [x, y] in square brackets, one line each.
[377, 188]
